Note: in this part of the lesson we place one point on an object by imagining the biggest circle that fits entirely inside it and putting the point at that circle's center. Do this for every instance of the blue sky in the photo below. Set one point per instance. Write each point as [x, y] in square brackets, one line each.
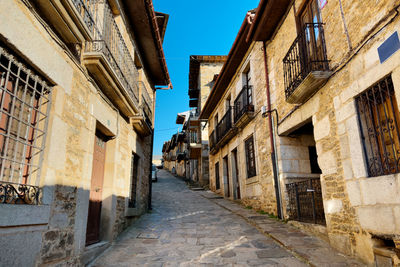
[195, 27]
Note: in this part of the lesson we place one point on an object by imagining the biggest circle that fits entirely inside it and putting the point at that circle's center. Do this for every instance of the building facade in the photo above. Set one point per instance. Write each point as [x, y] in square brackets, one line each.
[77, 99]
[320, 140]
[174, 154]
[203, 71]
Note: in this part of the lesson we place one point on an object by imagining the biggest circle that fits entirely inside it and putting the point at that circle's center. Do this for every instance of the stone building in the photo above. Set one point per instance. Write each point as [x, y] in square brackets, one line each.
[77, 98]
[174, 154]
[315, 138]
[203, 71]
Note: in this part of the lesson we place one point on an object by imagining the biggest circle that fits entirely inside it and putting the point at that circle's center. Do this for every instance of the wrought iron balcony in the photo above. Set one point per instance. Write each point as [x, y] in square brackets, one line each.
[244, 108]
[305, 65]
[108, 58]
[212, 140]
[225, 129]
[142, 122]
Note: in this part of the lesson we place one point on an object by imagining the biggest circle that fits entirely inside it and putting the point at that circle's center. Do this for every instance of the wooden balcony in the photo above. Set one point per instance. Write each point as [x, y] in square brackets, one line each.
[306, 67]
[194, 145]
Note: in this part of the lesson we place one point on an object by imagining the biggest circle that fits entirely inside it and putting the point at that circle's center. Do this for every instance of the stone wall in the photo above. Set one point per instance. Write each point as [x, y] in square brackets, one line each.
[353, 202]
[257, 191]
[56, 230]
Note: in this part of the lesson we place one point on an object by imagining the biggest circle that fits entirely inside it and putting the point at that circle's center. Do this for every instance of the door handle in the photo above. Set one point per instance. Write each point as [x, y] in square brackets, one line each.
[97, 189]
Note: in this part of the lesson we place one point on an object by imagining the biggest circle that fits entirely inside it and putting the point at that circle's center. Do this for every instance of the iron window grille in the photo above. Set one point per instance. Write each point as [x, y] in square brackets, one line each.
[379, 119]
[25, 101]
[250, 157]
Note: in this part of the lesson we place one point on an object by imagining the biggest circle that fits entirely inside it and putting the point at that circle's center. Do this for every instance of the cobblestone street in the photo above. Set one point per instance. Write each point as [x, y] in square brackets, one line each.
[194, 228]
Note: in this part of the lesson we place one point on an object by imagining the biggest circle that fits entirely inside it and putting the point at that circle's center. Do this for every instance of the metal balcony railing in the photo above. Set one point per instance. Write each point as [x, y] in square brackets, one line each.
[307, 54]
[212, 139]
[107, 39]
[86, 9]
[146, 102]
[193, 138]
[225, 124]
[243, 102]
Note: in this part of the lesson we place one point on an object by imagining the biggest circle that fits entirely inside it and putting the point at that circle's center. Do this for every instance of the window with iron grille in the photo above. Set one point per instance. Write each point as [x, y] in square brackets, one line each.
[24, 108]
[217, 182]
[134, 176]
[250, 157]
[378, 116]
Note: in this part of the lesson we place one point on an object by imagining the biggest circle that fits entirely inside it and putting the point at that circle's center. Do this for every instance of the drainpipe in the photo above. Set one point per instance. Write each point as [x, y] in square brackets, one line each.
[271, 136]
[150, 175]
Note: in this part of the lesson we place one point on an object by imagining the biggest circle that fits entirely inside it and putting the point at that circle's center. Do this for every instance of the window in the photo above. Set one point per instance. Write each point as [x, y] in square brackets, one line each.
[250, 157]
[134, 176]
[24, 107]
[249, 88]
[378, 116]
[217, 182]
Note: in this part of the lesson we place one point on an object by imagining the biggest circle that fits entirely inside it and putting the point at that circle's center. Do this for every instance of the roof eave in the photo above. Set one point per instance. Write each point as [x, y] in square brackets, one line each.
[146, 31]
[268, 16]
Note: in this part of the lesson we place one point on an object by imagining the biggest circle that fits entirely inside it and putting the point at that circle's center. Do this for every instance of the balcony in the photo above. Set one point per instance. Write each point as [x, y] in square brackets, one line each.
[194, 93]
[306, 67]
[193, 103]
[194, 145]
[212, 140]
[225, 129]
[72, 19]
[244, 108]
[193, 121]
[109, 61]
[142, 122]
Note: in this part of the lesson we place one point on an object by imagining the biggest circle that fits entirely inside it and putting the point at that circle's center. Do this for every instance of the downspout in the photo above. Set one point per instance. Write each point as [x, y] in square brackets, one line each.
[151, 170]
[271, 137]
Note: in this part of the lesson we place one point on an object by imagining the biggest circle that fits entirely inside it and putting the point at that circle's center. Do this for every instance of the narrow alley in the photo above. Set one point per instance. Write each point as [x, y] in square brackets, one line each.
[188, 228]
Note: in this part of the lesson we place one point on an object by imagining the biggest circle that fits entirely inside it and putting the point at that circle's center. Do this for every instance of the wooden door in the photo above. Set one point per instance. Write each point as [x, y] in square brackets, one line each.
[96, 190]
[236, 170]
[226, 176]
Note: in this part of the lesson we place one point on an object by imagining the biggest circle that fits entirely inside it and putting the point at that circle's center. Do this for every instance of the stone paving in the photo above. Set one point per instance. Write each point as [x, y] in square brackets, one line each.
[188, 228]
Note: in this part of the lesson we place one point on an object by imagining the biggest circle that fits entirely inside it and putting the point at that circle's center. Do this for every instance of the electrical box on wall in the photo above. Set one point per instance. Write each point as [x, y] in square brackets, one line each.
[264, 111]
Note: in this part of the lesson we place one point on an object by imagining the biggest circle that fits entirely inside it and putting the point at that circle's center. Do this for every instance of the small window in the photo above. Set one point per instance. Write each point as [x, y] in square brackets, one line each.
[24, 109]
[378, 115]
[217, 182]
[134, 178]
[250, 157]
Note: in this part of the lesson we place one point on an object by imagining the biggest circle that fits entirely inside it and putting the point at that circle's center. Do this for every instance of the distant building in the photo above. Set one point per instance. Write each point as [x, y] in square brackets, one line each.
[203, 71]
[174, 154]
[157, 160]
